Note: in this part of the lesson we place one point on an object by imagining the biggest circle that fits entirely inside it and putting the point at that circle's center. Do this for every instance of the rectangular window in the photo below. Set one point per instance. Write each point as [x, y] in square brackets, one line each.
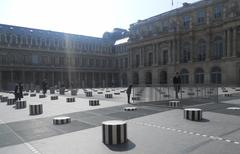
[186, 22]
[201, 17]
[218, 11]
[126, 62]
[150, 59]
[35, 59]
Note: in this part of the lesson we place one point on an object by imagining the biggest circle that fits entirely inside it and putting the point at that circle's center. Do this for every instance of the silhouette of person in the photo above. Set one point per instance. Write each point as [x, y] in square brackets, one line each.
[176, 84]
[129, 89]
[18, 91]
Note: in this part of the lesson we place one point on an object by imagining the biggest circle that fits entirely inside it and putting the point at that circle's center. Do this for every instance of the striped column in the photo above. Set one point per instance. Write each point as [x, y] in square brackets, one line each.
[11, 101]
[35, 109]
[88, 94]
[4, 99]
[54, 97]
[114, 132]
[42, 96]
[100, 92]
[61, 120]
[174, 103]
[21, 104]
[32, 95]
[193, 114]
[69, 100]
[94, 102]
[108, 96]
[130, 109]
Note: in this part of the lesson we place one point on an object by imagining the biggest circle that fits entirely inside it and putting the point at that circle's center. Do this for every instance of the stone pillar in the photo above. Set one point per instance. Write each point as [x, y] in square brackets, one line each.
[52, 78]
[228, 43]
[93, 80]
[141, 56]
[154, 54]
[173, 48]
[61, 77]
[23, 77]
[0, 80]
[11, 80]
[170, 52]
[209, 47]
[234, 50]
[177, 51]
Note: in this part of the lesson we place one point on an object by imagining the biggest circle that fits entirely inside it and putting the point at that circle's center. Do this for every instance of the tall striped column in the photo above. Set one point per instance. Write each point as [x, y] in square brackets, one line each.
[193, 114]
[114, 132]
[35, 109]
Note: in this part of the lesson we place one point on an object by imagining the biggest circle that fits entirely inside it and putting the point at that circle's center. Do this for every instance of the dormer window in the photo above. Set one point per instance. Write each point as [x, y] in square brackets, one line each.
[218, 11]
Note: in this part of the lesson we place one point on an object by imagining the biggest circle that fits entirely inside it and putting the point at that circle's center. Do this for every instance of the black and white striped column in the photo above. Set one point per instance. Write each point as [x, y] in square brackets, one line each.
[193, 114]
[88, 94]
[61, 120]
[100, 92]
[174, 103]
[35, 109]
[69, 100]
[54, 97]
[227, 95]
[25, 94]
[21, 104]
[42, 96]
[4, 99]
[32, 95]
[11, 101]
[117, 93]
[136, 98]
[94, 102]
[114, 132]
[108, 96]
[130, 109]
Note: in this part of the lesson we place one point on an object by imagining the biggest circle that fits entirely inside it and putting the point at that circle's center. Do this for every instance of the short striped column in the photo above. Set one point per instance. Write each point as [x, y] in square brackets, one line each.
[42, 96]
[237, 89]
[69, 100]
[130, 109]
[174, 103]
[193, 114]
[100, 92]
[54, 97]
[4, 99]
[32, 95]
[227, 95]
[136, 98]
[61, 120]
[191, 94]
[108, 96]
[116, 93]
[107, 91]
[122, 91]
[11, 101]
[21, 104]
[88, 94]
[114, 132]
[94, 102]
[25, 94]
[35, 109]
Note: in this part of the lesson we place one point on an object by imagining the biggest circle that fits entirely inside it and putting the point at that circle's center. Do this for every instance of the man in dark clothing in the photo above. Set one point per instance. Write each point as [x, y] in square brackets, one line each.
[44, 86]
[176, 84]
[129, 89]
[18, 91]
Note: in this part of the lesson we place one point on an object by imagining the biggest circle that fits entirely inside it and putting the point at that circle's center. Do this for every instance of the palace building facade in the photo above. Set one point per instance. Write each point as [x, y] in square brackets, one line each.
[201, 41]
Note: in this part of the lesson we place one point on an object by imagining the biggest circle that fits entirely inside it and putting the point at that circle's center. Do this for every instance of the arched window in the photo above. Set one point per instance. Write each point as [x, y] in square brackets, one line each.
[185, 54]
[199, 76]
[217, 48]
[216, 75]
[201, 51]
[163, 77]
[184, 75]
[135, 78]
[148, 78]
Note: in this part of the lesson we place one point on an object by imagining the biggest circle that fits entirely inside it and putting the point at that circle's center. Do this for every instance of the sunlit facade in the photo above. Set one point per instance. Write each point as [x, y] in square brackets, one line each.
[201, 41]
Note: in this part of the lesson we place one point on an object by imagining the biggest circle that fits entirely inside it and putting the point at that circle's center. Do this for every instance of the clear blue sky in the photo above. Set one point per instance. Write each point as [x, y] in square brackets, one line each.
[85, 17]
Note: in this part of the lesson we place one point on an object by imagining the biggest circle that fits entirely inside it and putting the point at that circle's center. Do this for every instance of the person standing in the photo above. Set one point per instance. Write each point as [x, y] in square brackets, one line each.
[44, 86]
[18, 91]
[129, 90]
[176, 84]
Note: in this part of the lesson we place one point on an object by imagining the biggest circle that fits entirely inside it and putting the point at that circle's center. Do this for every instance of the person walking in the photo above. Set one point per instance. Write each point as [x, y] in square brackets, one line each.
[18, 91]
[129, 90]
[176, 84]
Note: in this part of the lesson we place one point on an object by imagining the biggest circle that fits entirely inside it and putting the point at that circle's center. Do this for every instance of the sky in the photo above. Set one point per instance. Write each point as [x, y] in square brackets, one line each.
[84, 17]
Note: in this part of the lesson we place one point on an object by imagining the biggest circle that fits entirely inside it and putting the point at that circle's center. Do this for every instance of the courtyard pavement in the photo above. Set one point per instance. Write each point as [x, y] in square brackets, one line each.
[154, 128]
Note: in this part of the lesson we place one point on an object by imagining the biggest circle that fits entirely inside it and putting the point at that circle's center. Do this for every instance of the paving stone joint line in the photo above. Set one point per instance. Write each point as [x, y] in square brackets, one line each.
[186, 132]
